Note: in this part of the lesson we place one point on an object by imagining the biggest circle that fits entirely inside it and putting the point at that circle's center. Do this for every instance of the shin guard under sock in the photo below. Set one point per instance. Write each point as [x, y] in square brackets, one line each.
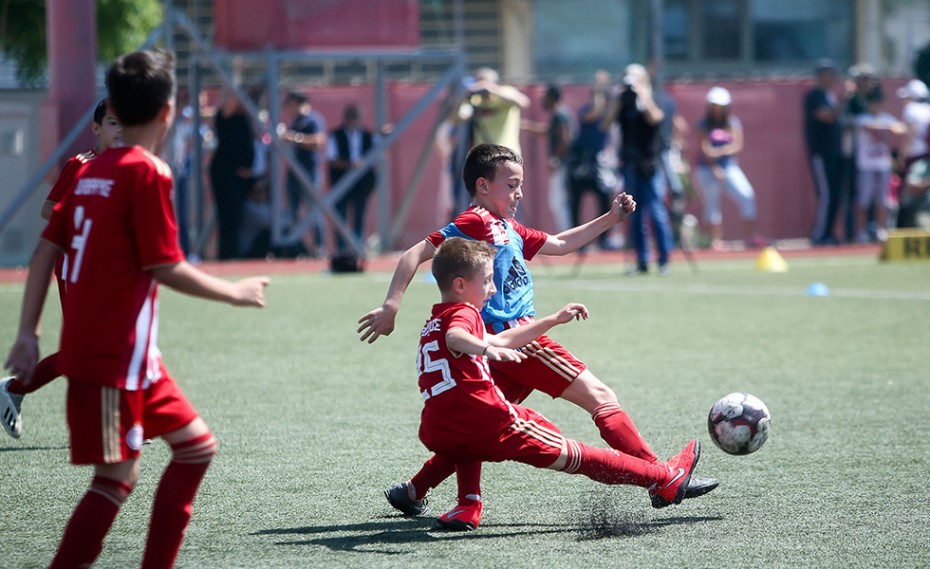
[174, 499]
[90, 522]
[618, 431]
[433, 472]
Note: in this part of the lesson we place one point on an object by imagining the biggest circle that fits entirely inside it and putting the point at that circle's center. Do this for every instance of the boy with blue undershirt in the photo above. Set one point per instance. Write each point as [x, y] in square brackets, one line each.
[493, 176]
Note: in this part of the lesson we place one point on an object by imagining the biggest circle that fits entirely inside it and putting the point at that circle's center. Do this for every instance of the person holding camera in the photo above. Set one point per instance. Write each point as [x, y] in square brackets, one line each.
[640, 117]
[493, 110]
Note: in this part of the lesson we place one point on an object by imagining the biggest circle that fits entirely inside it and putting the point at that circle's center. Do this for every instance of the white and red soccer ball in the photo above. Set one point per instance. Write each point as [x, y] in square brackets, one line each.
[739, 423]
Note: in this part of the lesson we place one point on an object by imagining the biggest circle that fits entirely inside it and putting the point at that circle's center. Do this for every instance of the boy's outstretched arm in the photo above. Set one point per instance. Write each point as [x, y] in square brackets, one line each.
[523, 335]
[464, 342]
[572, 239]
[185, 278]
[380, 321]
[25, 350]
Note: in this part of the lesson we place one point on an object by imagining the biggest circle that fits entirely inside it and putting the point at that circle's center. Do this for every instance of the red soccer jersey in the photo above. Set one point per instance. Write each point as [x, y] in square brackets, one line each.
[461, 402]
[117, 223]
[69, 175]
[63, 186]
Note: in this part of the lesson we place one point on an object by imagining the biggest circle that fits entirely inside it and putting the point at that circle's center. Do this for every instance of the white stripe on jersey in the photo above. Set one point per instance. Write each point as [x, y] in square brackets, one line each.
[140, 351]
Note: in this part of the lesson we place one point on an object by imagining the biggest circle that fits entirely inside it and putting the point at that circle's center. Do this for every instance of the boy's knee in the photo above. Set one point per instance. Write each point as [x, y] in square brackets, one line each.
[113, 490]
[198, 450]
[589, 392]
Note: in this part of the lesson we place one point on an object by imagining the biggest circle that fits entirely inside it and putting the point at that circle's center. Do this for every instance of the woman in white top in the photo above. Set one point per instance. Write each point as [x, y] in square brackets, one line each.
[721, 139]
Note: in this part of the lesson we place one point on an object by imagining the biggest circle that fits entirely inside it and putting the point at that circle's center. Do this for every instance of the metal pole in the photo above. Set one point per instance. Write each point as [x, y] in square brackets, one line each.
[658, 46]
[274, 117]
[195, 181]
[384, 199]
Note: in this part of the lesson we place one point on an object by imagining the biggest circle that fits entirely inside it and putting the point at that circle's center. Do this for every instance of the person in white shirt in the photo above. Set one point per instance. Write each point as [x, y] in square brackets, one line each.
[874, 130]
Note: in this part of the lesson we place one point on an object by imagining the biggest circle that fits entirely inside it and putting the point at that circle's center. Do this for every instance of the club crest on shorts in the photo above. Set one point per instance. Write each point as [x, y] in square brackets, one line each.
[134, 437]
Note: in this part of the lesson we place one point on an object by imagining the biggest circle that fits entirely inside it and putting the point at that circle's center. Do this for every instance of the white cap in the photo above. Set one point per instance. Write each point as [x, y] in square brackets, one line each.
[915, 89]
[719, 96]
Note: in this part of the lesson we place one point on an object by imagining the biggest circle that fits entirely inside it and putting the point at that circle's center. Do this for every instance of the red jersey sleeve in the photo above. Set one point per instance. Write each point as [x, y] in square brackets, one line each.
[68, 177]
[56, 230]
[469, 223]
[533, 239]
[469, 319]
[153, 216]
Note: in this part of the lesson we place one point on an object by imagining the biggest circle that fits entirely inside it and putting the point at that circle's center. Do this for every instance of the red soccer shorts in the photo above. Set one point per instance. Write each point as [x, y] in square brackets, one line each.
[531, 439]
[550, 368]
[108, 424]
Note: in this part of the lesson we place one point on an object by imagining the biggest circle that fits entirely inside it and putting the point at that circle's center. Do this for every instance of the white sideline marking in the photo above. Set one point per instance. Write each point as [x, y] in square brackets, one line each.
[870, 294]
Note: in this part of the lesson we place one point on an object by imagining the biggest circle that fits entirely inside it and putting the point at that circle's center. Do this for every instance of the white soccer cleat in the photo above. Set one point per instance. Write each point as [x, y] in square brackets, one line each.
[11, 405]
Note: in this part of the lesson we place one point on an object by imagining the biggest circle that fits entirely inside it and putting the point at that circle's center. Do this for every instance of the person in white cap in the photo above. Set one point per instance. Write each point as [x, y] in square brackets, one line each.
[914, 152]
[721, 139]
[916, 115]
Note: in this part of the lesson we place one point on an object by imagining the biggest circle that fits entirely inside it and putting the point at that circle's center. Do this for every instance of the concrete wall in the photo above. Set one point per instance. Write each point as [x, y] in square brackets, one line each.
[19, 159]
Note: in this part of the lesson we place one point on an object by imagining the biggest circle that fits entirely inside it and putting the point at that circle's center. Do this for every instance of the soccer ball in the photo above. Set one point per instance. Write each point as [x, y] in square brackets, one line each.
[739, 423]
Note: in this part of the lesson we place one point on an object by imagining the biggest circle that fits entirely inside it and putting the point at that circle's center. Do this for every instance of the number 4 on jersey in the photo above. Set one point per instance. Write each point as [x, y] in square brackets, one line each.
[78, 242]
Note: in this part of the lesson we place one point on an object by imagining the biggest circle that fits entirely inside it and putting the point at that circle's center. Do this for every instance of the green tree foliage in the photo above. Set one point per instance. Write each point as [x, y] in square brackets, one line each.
[122, 25]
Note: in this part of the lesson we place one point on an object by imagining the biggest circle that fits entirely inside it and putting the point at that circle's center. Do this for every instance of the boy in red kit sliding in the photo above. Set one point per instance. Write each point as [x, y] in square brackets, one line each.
[118, 230]
[467, 420]
[108, 132]
[493, 176]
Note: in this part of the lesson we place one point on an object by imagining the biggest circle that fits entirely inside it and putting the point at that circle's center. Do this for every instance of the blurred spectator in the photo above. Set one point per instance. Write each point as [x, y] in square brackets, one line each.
[915, 196]
[860, 81]
[822, 132]
[559, 132]
[914, 152]
[182, 142]
[231, 171]
[873, 163]
[640, 117]
[308, 135]
[721, 139]
[344, 151]
[493, 110]
[673, 132]
[916, 115]
[589, 169]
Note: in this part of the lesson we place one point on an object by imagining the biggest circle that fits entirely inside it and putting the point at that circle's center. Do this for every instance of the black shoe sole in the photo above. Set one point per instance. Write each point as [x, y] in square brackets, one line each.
[455, 525]
[702, 486]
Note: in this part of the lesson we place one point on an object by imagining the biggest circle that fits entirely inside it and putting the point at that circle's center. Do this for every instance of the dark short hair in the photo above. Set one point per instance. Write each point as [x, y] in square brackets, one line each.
[296, 97]
[140, 84]
[875, 95]
[460, 257]
[482, 162]
[553, 93]
[100, 111]
[351, 112]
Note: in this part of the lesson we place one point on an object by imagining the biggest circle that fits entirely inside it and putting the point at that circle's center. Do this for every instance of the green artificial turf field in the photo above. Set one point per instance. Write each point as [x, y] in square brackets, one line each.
[313, 426]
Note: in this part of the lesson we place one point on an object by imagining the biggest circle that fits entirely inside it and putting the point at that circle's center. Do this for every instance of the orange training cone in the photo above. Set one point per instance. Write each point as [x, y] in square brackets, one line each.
[770, 261]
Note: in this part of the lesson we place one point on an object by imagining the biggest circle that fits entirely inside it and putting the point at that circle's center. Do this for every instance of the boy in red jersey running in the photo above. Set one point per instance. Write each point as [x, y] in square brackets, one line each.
[466, 419]
[107, 131]
[493, 176]
[118, 228]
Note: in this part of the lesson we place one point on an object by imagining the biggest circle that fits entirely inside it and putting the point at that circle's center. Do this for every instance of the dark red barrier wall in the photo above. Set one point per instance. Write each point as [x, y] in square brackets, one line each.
[774, 158]
[283, 24]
